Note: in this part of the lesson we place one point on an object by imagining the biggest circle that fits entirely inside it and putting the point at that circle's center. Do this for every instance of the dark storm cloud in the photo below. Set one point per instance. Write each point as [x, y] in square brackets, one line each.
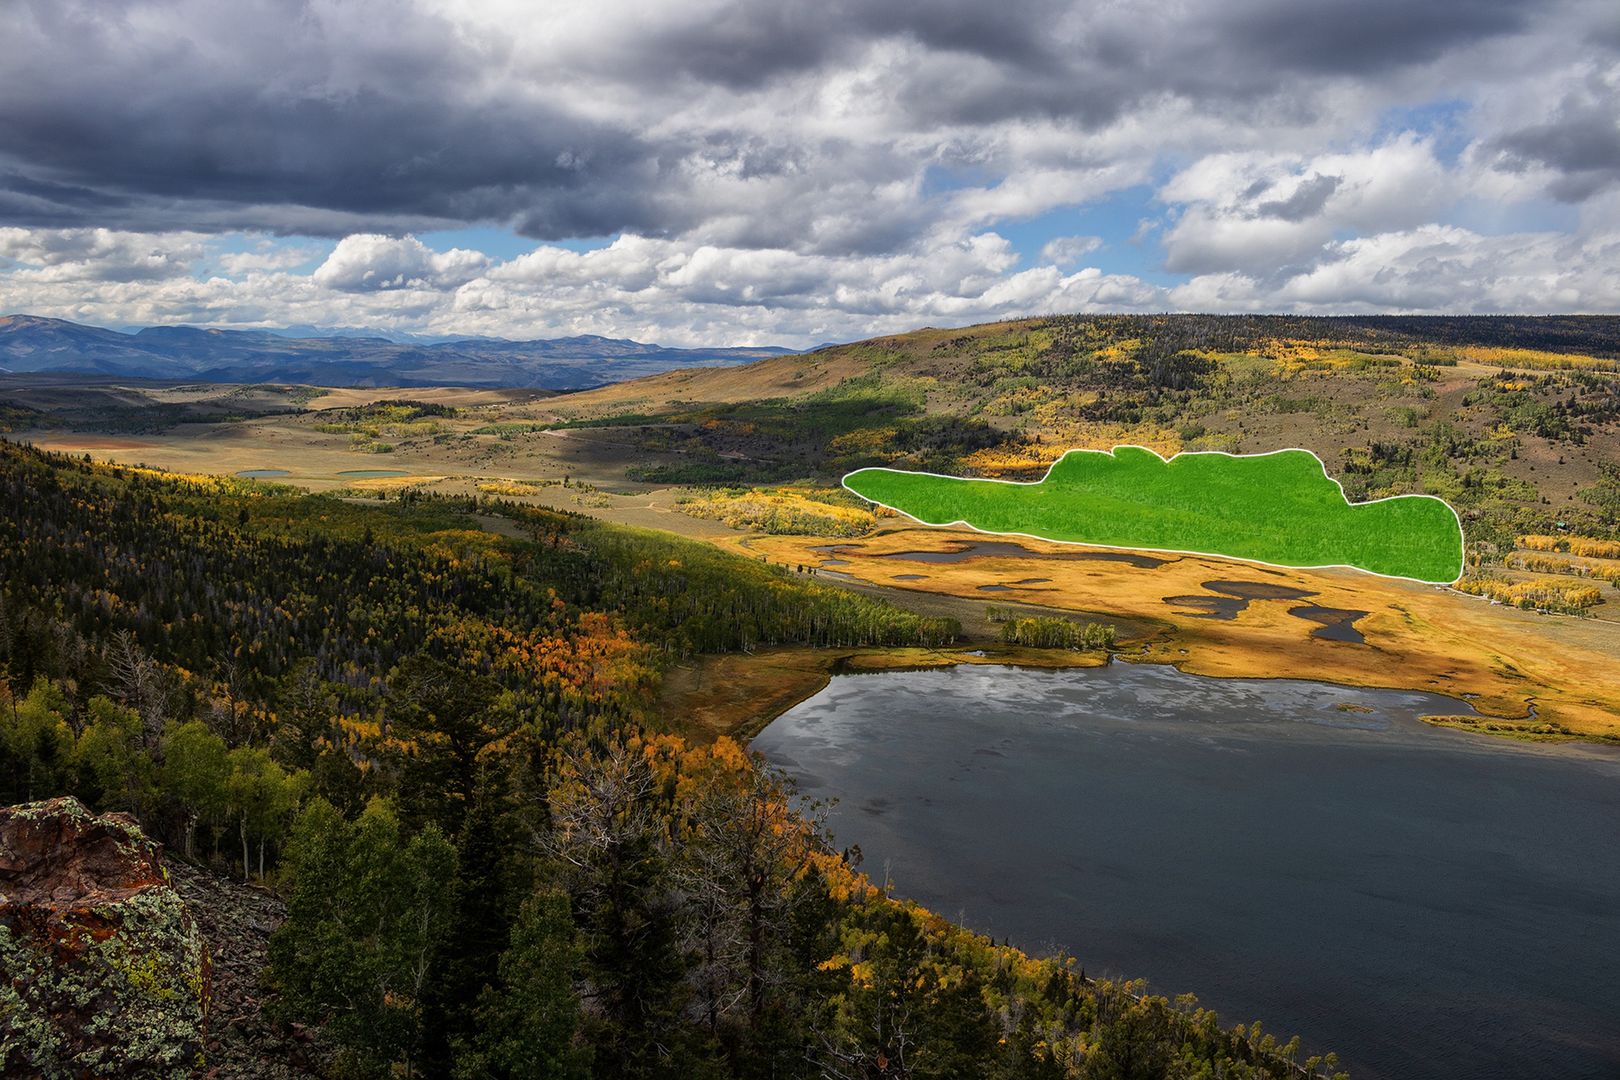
[1362, 37]
[101, 123]
[1306, 201]
[1224, 55]
[1580, 143]
[746, 44]
[333, 118]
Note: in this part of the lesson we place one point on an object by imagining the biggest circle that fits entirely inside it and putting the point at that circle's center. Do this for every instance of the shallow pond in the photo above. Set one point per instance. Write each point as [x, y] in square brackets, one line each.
[1427, 902]
[981, 549]
[1334, 624]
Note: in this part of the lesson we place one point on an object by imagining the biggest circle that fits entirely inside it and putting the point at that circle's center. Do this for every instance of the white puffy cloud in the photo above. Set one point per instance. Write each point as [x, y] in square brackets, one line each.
[1069, 250]
[263, 256]
[684, 293]
[97, 255]
[1255, 212]
[671, 291]
[1431, 269]
[368, 262]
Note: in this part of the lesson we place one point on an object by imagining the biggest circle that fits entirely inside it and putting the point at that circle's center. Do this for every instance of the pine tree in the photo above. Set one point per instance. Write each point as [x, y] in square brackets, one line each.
[529, 1021]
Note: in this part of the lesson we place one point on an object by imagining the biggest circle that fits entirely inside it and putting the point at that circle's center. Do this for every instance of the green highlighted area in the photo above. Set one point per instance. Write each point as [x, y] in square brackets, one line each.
[1279, 508]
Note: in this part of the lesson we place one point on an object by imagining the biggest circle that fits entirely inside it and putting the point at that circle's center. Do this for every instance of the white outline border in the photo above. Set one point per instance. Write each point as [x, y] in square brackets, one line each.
[1462, 547]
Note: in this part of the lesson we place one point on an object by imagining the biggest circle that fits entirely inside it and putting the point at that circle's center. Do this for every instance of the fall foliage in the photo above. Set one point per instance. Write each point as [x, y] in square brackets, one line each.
[437, 743]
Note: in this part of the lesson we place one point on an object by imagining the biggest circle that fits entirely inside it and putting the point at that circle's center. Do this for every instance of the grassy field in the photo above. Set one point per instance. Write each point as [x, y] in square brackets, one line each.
[1279, 508]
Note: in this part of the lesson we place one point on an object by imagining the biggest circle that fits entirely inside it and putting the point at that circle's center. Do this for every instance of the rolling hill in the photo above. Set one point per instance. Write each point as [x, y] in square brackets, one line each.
[1515, 421]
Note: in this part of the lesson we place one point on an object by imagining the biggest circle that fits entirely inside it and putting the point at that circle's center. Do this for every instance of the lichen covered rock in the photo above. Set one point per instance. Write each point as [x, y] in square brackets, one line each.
[102, 970]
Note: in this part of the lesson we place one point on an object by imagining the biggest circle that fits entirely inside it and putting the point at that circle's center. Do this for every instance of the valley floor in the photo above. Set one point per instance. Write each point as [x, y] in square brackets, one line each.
[1529, 675]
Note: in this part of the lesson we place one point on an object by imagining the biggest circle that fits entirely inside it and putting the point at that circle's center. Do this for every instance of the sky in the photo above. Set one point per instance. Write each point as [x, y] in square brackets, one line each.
[731, 172]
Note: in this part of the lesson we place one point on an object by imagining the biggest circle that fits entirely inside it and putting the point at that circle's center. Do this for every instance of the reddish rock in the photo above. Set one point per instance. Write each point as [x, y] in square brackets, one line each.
[102, 970]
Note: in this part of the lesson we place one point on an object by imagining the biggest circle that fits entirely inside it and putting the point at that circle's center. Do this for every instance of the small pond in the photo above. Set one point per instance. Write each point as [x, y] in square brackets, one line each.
[1333, 624]
[982, 549]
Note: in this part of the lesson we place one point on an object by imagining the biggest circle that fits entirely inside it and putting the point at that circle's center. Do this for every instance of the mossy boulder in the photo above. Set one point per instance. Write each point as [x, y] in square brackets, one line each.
[102, 969]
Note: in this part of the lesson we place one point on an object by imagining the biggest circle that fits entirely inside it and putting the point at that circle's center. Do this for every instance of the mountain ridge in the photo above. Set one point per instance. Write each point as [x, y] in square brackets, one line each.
[34, 344]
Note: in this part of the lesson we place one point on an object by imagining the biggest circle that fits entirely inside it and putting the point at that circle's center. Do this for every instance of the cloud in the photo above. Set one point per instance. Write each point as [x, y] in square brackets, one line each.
[1365, 37]
[1431, 269]
[686, 293]
[735, 121]
[1579, 142]
[803, 171]
[1067, 251]
[98, 255]
[366, 262]
[1260, 212]
[1308, 198]
[264, 256]
[655, 289]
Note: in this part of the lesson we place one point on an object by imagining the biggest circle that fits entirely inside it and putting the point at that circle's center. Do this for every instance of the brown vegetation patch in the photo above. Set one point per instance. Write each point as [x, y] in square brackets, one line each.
[79, 443]
[1416, 637]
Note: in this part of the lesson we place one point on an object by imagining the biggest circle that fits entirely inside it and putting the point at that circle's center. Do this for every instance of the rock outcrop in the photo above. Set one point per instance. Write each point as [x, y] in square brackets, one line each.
[102, 969]
[236, 922]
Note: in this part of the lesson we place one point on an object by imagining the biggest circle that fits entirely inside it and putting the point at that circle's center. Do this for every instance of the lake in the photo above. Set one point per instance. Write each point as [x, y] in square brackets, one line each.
[1428, 903]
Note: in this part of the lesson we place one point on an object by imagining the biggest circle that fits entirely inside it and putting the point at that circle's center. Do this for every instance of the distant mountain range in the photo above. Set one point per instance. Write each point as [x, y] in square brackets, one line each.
[31, 344]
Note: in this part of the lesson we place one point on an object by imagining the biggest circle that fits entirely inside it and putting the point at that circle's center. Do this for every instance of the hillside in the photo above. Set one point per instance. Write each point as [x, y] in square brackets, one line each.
[31, 345]
[437, 742]
[1513, 420]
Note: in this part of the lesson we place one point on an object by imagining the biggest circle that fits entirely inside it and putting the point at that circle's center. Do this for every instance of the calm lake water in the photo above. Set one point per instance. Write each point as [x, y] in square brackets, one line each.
[1428, 903]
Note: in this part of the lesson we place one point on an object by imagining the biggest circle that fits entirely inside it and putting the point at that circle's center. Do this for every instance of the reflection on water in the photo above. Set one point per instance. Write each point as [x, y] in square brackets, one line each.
[1334, 624]
[1258, 590]
[1337, 624]
[983, 549]
[1198, 606]
[1429, 903]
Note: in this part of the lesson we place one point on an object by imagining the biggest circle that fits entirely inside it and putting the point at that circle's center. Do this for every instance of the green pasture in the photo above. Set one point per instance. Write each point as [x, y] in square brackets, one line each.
[1278, 508]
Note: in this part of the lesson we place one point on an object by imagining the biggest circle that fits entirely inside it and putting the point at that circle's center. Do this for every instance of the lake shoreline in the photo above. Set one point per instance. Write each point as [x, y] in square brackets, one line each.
[778, 679]
[1027, 808]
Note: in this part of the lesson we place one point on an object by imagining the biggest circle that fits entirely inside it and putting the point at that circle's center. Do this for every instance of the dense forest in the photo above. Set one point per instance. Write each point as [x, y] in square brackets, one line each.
[429, 726]
[1585, 334]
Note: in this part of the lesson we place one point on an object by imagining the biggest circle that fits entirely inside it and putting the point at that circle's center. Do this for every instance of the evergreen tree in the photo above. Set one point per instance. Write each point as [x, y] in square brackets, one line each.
[529, 1021]
[36, 743]
[608, 835]
[368, 917]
